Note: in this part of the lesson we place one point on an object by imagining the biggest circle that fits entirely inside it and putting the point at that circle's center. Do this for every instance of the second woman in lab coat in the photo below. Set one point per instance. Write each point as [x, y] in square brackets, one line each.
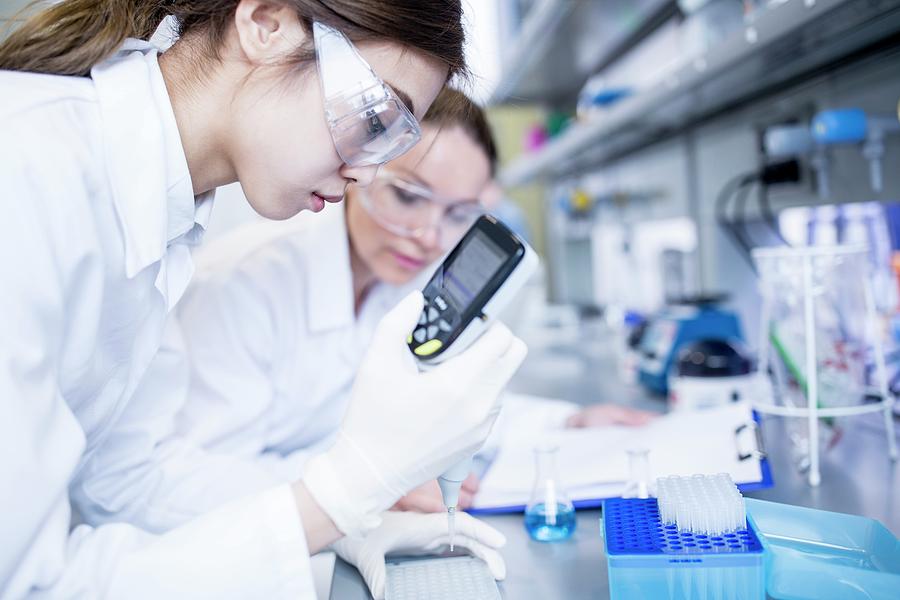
[276, 321]
[109, 154]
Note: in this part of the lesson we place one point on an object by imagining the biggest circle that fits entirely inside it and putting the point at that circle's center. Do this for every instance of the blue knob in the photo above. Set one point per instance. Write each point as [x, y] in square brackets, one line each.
[843, 126]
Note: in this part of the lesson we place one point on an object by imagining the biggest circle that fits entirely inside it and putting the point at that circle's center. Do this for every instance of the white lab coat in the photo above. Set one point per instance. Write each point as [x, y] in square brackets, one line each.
[274, 375]
[268, 331]
[98, 217]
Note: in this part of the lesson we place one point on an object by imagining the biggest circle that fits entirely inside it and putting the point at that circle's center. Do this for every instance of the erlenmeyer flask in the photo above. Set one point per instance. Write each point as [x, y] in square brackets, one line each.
[549, 516]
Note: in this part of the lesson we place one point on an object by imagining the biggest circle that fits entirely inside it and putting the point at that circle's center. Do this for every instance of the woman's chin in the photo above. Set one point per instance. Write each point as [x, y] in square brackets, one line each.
[394, 275]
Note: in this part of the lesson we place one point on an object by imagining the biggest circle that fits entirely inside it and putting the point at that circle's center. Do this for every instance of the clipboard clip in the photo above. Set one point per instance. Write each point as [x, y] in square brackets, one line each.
[759, 452]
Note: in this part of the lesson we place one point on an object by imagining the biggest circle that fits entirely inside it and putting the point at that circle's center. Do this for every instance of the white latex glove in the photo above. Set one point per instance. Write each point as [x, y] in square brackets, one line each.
[415, 533]
[404, 427]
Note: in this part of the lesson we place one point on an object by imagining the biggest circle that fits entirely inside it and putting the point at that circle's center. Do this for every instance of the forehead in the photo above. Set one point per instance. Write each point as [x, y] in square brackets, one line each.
[411, 74]
[448, 161]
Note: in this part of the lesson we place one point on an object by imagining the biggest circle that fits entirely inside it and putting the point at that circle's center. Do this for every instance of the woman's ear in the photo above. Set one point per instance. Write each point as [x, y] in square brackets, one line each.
[267, 31]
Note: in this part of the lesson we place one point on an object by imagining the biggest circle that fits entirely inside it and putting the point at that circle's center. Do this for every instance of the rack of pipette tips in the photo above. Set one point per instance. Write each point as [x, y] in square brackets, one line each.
[701, 539]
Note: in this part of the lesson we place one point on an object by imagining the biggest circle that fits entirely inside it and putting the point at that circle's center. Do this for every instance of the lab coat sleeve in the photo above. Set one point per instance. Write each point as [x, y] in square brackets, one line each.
[194, 434]
[233, 326]
[229, 336]
[149, 475]
[252, 548]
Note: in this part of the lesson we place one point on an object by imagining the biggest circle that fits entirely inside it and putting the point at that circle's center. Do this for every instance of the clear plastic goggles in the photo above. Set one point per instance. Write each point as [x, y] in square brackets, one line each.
[411, 209]
[369, 124]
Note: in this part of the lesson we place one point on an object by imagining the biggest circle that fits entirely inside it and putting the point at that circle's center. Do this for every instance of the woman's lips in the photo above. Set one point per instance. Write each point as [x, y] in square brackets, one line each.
[316, 202]
[407, 262]
[333, 198]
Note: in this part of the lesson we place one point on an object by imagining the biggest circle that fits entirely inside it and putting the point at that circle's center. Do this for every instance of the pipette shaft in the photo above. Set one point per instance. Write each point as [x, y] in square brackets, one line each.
[450, 483]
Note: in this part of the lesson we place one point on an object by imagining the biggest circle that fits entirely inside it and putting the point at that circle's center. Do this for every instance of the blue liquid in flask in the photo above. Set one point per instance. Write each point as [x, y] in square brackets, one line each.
[546, 528]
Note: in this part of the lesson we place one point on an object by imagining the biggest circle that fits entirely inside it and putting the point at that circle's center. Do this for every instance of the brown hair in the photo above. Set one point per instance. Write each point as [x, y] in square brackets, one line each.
[453, 108]
[70, 37]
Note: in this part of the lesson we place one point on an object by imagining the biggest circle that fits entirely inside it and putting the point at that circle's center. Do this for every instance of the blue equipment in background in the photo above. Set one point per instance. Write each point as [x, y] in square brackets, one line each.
[675, 326]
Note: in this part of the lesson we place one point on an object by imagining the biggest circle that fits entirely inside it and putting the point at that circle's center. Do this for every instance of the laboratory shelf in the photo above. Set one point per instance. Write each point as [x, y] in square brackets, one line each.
[777, 46]
[560, 43]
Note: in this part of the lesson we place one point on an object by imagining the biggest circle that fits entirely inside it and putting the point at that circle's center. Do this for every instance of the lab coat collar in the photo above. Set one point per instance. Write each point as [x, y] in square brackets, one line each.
[147, 168]
[329, 284]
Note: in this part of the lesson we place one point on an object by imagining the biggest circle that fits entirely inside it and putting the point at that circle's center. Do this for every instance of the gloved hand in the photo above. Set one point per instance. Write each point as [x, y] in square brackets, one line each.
[404, 427]
[413, 533]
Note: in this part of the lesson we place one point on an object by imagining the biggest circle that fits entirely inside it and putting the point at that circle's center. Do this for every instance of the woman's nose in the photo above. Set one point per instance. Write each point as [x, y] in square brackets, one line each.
[430, 237]
[362, 176]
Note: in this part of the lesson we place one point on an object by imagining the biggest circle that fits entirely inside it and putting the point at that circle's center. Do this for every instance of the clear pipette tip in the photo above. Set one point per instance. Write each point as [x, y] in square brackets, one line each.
[451, 524]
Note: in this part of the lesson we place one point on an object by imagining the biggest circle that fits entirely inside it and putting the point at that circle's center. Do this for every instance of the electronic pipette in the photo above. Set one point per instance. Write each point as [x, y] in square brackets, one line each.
[476, 281]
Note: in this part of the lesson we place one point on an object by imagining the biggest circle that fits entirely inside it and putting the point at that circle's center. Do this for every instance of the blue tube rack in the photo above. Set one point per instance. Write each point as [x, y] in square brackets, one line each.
[648, 559]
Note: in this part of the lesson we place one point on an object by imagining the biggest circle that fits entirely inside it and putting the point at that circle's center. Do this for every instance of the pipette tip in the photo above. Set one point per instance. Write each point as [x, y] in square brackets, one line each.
[451, 524]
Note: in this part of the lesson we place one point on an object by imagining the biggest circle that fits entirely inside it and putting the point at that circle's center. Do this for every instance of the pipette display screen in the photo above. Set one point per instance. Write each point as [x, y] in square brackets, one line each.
[474, 267]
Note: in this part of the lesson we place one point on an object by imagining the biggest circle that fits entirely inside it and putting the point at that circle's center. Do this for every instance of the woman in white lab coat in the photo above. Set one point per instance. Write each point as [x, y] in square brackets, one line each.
[109, 155]
[274, 327]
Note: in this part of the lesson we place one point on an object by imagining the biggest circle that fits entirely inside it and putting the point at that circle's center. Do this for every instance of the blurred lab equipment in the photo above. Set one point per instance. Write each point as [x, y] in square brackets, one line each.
[549, 515]
[829, 128]
[819, 319]
[598, 95]
[855, 126]
[692, 319]
[495, 201]
[711, 372]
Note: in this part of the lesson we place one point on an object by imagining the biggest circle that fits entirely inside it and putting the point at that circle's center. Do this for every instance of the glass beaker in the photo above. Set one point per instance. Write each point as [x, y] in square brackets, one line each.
[549, 516]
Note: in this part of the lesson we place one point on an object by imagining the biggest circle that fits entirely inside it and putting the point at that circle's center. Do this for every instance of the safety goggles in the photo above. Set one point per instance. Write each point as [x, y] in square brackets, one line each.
[411, 209]
[369, 124]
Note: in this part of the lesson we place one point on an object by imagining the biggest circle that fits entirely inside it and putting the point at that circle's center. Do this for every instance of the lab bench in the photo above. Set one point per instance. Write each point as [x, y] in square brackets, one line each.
[857, 475]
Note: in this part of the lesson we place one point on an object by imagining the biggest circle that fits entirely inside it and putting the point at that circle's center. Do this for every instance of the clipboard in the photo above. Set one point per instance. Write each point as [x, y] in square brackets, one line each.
[748, 445]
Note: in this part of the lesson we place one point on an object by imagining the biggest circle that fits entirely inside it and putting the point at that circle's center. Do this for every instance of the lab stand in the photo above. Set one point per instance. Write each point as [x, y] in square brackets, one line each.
[857, 475]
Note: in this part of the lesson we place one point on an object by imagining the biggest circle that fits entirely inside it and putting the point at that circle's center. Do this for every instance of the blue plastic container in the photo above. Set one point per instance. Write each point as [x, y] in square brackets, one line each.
[647, 559]
[819, 555]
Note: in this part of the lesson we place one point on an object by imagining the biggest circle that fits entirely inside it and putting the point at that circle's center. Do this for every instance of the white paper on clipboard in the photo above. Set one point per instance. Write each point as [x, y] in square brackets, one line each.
[592, 463]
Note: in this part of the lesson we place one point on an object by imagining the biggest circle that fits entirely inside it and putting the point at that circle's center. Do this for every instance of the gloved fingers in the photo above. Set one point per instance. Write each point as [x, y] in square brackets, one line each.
[508, 364]
[396, 325]
[469, 527]
[491, 382]
[348, 548]
[482, 355]
[490, 556]
[374, 573]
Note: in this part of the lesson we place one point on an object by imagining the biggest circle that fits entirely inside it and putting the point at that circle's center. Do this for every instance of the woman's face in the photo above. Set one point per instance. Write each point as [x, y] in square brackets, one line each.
[281, 148]
[449, 163]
